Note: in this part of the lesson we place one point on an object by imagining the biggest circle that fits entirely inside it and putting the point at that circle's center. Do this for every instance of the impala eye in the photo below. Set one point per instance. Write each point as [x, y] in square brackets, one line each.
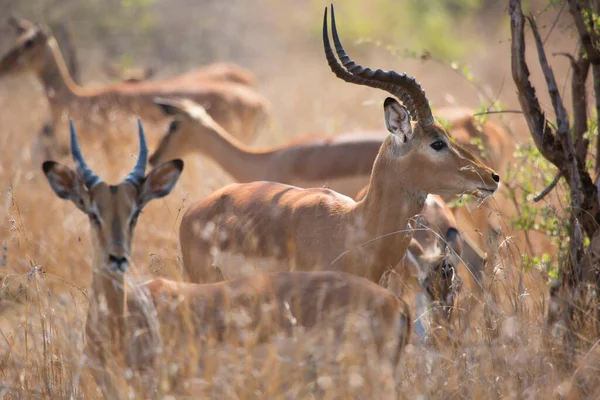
[28, 43]
[174, 126]
[438, 145]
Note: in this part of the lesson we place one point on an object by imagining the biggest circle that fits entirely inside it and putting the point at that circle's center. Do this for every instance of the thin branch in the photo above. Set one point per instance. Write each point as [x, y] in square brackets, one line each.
[557, 103]
[497, 112]
[581, 68]
[540, 130]
[546, 191]
[563, 130]
[589, 43]
[558, 14]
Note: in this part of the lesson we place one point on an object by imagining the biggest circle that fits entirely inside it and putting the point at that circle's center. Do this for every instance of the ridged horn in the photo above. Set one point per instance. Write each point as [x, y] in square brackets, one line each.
[137, 175]
[85, 173]
[406, 88]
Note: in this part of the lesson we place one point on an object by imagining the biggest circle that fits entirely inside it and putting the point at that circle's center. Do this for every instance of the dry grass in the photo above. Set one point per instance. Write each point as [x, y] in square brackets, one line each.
[495, 347]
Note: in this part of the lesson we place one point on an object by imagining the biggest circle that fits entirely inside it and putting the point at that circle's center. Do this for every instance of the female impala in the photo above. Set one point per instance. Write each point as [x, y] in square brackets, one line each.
[238, 107]
[342, 163]
[126, 324]
[285, 227]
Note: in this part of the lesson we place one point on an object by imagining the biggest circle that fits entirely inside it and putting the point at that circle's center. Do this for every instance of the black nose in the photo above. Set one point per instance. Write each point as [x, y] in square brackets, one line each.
[495, 177]
[121, 262]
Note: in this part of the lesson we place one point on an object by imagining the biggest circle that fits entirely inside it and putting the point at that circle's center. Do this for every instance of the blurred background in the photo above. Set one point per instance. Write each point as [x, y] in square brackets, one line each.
[280, 41]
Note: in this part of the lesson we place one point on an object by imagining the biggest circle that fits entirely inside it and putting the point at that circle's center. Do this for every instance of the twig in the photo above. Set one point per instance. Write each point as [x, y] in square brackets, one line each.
[497, 112]
[557, 103]
[554, 22]
[581, 68]
[540, 130]
[587, 40]
[563, 131]
[545, 192]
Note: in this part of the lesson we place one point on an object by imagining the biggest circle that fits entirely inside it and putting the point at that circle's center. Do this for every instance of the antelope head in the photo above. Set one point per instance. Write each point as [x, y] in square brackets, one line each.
[28, 53]
[191, 123]
[113, 210]
[441, 282]
[418, 147]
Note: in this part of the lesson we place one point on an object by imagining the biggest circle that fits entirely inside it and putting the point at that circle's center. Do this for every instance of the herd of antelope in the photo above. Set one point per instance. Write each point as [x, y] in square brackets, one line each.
[312, 231]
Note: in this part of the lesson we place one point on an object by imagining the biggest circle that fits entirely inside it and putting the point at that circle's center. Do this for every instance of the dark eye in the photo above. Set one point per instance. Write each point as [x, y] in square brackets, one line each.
[94, 219]
[438, 145]
[28, 43]
[174, 126]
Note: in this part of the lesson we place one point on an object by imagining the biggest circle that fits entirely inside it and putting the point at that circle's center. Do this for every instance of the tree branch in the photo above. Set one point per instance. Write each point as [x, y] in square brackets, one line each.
[581, 68]
[563, 130]
[551, 186]
[588, 41]
[541, 132]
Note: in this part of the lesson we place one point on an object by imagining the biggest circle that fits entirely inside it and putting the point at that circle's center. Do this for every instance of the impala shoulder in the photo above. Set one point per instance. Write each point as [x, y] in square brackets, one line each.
[325, 198]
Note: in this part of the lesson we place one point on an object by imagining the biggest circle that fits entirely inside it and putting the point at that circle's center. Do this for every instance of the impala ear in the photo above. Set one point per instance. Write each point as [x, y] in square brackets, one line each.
[160, 181]
[66, 184]
[170, 106]
[397, 119]
[20, 25]
[453, 239]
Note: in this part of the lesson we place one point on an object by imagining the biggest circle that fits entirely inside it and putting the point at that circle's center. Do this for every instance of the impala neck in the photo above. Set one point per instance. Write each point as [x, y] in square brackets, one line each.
[385, 212]
[108, 309]
[55, 77]
[239, 161]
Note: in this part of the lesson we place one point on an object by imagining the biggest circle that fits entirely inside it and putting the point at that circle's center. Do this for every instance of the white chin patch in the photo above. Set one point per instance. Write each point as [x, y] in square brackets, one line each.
[119, 268]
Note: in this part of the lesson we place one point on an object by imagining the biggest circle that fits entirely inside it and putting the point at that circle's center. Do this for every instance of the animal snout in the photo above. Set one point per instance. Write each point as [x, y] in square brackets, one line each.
[118, 263]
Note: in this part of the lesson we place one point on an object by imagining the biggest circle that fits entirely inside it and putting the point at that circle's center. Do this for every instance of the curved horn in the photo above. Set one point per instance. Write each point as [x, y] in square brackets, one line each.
[139, 171]
[89, 178]
[406, 88]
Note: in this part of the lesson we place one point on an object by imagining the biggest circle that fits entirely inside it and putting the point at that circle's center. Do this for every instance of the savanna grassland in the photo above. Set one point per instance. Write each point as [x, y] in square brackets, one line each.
[499, 342]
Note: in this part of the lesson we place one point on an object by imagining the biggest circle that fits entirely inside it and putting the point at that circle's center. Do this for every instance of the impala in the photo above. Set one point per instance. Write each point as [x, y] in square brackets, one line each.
[276, 226]
[432, 271]
[194, 130]
[238, 107]
[221, 71]
[342, 163]
[126, 322]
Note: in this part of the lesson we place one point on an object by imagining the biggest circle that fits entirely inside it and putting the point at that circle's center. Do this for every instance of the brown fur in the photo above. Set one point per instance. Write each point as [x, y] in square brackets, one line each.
[319, 229]
[125, 323]
[237, 107]
[269, 304]
[340, 163]
[435, 250]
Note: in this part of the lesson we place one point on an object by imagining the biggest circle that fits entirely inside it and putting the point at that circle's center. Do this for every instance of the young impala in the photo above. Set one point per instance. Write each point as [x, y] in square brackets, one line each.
[432, 271]
[238, 107]
[284, 227]
[126, 323]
